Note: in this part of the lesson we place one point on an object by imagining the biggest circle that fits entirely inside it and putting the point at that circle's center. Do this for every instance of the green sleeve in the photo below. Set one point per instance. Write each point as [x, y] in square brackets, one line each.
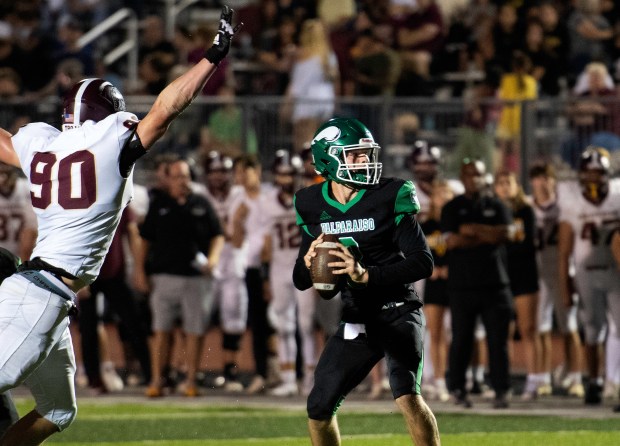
[406, 201]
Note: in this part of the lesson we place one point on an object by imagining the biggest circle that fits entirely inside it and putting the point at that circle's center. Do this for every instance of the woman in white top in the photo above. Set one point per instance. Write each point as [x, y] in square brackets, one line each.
[312, 87]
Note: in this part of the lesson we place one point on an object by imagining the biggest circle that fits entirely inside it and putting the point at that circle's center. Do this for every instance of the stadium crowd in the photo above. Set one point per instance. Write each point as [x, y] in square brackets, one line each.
[240, 269]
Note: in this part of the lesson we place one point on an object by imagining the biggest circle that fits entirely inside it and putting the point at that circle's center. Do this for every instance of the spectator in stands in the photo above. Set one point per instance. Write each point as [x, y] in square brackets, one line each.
[276, 52]
[523, 274]
[69, 32]
[475, 137]
[153, 73]
[545, 64]
[225, 128]
[9, 55]
[418, 33]
[35, 47]
[516, 86]
[589, 31]
[153, 40]
[555, 33]
[10, 83]
[595, 113]
[377, 69]
[506, 35]
[313, 85]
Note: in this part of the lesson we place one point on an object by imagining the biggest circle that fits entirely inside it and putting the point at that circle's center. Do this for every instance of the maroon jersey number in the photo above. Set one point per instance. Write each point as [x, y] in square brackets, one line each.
[77, 185]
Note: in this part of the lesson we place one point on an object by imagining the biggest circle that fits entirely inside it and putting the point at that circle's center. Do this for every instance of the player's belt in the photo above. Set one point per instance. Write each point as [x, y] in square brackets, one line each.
[39, 279]
[391, 305]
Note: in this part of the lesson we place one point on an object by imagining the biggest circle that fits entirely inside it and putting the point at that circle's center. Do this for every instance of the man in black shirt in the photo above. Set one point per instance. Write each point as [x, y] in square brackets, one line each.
[383, 251]
[182, 242]
[476, 225]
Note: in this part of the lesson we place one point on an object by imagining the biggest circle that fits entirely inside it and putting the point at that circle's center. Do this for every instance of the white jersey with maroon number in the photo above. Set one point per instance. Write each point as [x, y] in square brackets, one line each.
[547, 221]
[76, 189]
[16, 214]
[592, 224]
[285, 234]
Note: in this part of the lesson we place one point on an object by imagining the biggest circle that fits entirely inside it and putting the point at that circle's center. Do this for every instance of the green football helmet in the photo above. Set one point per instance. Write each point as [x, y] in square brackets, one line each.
[334, 140]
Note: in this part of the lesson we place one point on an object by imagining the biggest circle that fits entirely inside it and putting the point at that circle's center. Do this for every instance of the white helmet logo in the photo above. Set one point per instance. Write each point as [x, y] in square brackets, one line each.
[329, 134]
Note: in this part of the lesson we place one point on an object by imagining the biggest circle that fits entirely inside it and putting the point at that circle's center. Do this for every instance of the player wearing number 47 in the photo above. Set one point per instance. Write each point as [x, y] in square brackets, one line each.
[382, 251]
[81, 179]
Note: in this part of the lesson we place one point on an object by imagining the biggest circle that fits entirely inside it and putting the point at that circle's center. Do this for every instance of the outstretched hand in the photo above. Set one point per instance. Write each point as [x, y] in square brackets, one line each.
[223, 38]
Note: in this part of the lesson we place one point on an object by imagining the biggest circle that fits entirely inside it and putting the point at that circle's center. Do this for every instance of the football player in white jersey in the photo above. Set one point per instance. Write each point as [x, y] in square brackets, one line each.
[249, 229]
[231, 297]
[282, 244]
[547, 211]
[81, 179]
[589, 217]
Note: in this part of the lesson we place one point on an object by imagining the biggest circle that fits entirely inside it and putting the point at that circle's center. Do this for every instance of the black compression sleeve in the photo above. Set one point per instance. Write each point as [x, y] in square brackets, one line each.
[130, 153]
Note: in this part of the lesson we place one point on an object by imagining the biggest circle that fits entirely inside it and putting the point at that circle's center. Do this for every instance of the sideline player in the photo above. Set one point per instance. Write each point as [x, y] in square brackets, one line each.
[588, 219]
[231, 295]
[547, 210]
[382, 251]
[81, 179]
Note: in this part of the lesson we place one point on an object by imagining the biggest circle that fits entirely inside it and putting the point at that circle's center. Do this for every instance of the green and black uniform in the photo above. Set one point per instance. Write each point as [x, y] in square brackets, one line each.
[379, 227]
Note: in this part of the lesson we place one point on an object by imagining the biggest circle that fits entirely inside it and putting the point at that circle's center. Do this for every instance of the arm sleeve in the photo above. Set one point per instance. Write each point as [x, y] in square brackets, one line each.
[418, 261]
[301, 274]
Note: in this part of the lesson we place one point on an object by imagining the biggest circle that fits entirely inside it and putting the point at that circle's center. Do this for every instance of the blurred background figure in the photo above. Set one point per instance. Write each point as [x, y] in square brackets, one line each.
[523, 274]
[589, 214]
[230, 293]
[545, 201]
[436, 299]
[313, 85]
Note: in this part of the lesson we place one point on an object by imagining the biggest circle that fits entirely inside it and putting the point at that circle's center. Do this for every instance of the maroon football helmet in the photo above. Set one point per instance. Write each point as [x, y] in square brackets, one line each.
[215, 161]
[285, 163]
[90, 99]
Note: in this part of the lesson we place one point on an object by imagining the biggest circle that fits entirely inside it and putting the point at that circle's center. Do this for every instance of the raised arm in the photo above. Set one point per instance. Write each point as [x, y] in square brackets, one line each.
[182, 91]
[7, 153]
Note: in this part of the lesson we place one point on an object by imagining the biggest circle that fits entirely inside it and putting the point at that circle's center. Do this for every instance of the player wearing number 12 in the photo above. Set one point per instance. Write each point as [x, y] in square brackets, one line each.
[80, 181]
[382, 251]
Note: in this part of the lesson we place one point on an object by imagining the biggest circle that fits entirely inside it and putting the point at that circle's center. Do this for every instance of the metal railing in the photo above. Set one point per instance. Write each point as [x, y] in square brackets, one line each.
[549, 128]
[129, 46]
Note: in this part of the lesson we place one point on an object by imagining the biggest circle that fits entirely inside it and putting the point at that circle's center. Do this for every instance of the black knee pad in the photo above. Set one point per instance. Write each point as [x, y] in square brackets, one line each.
[321, 404]
[231, 342]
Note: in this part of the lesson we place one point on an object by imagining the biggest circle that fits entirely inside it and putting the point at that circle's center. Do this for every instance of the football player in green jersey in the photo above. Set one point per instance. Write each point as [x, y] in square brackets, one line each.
[382, 251]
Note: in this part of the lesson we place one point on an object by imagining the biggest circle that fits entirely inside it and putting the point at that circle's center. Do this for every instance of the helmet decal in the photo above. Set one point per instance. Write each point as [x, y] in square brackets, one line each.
[330, 134]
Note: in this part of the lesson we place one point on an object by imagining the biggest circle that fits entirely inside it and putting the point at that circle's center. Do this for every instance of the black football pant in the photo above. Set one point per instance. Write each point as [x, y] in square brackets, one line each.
[257, 320]
[495, 309]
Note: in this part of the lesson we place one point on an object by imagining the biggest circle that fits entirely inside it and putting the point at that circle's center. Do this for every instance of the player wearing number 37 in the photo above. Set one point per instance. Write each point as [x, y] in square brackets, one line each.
[381, 252]
[80, 181]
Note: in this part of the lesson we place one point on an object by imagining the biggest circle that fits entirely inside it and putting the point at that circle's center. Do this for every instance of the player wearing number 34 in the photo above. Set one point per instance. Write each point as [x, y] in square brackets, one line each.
[80, 182]
[381, 252]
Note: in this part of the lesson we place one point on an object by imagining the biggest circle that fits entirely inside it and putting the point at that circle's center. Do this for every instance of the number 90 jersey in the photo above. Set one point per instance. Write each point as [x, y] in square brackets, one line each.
[77, 190]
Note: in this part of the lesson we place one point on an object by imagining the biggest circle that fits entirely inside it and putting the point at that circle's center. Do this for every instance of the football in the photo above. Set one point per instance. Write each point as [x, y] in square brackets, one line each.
[324, 280]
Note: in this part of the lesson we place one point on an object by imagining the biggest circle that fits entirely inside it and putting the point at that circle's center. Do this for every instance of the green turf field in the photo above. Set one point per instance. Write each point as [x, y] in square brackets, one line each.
[179, 425]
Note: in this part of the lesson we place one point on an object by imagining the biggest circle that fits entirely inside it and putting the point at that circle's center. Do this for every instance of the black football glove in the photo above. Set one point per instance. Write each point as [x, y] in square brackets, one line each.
[223, 38]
